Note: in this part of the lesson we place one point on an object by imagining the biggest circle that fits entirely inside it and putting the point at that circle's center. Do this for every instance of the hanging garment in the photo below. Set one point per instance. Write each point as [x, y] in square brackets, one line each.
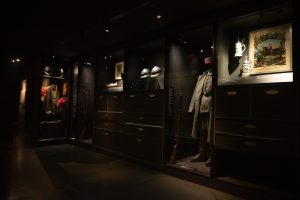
[201, 99]
[51, 97]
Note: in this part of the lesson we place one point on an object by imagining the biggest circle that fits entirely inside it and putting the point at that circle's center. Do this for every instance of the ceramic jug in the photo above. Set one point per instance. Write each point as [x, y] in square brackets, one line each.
[247, 67]
[239, 49]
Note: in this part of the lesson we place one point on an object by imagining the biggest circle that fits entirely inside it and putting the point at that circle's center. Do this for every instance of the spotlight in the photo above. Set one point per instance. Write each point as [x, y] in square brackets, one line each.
[18, 60]
[107, 26]
[158, 14]
[13, 61]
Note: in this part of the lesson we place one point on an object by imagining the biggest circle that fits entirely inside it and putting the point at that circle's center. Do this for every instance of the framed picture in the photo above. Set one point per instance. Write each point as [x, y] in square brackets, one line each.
[270, 49]
[119, 69]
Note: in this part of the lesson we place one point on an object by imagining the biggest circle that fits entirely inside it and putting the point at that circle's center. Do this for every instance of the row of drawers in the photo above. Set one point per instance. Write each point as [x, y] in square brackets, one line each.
[261, 101]
[130, 129]
[147, 102]
[154, 120]
[260, 129]
[270, 138]
[257, 146]
[135, 145]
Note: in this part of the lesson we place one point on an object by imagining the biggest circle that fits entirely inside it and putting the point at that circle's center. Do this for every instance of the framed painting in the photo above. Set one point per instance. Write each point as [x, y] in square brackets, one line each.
[270, 49]
[119, 69]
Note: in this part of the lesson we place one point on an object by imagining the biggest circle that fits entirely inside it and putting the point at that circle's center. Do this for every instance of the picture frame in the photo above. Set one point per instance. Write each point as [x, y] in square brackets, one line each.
[119, 69]
[270, 49]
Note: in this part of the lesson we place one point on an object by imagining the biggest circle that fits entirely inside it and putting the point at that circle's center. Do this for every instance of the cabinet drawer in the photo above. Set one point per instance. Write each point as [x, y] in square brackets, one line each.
[101, 102]
[155, 120]
[155, 132]
[109, 116]
[249, 145]
[107, 139]
[275, 101]
[233, 101]
[265, 129]
[148, 102]
[115, 102]
[144, 148]
[110, 126]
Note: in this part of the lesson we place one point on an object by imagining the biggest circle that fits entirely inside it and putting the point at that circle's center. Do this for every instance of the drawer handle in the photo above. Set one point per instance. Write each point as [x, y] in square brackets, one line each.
[140, 117]
[132, 96]
[250, 126]
[152, 95]
[250, 143]
[272, 92]
[140, 129]
[231, 93]
[139, 140]
[115, 97]
[106, 134]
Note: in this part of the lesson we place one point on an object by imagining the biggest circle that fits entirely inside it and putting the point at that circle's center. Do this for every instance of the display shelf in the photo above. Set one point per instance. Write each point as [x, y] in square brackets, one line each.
[145, 66]
[267, 36]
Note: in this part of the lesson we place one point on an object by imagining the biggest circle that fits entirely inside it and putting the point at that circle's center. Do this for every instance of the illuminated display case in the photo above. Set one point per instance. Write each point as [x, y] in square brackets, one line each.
[256, 48]
[188, 135]
[255, 135]
[145, 66]
[54, 102]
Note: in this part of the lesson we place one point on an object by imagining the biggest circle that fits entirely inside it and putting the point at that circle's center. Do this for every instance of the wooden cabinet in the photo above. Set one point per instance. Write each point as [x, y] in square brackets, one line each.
[143, 125]
[108, 124]
[137, 132]
[256, 128]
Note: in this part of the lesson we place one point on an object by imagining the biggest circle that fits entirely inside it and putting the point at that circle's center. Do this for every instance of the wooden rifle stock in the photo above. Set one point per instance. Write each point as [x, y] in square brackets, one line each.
[173, 157]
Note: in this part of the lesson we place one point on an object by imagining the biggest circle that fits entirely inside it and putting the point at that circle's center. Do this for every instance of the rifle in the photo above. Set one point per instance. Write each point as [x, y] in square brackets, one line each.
[173, 157]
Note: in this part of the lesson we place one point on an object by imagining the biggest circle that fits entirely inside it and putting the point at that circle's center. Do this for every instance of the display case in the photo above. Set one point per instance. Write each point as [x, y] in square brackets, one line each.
[54, 102]
[256, 102]
[109, 101]
[110, 72]
[144, 101]
[256, 48]
[188, 142]
[145, 66]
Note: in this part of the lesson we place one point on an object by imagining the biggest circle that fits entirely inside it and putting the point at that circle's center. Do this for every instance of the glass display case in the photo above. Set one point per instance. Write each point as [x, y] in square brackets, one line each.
[145, 66]
[54, 102]
[110, 72]
[189, 136]
[255, 136]
[256, 48]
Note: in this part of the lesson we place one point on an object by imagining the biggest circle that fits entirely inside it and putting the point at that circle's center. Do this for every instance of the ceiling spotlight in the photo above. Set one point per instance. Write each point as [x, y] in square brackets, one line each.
[158, 14]
[13, 61]
[201, 50]
[212, 47]
[184, 42]
[18, 60]
[107, 26]
[105, 57]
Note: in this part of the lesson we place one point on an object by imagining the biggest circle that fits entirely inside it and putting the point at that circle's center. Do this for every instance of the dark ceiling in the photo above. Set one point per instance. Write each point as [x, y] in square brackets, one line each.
[69, 28]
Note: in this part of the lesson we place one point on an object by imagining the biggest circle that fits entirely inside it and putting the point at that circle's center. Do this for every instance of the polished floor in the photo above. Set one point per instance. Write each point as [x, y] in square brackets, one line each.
[70, 172]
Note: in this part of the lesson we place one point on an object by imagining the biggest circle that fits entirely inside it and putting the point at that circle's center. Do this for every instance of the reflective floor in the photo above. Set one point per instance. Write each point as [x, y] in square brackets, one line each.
[71, 172]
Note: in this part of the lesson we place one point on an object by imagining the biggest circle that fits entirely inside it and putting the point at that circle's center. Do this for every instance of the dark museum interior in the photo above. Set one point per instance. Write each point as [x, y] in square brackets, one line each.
[151, 99]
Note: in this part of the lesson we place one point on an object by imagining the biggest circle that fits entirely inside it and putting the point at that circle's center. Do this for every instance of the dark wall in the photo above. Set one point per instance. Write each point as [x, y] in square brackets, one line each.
[9, 100]
[85, 103]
